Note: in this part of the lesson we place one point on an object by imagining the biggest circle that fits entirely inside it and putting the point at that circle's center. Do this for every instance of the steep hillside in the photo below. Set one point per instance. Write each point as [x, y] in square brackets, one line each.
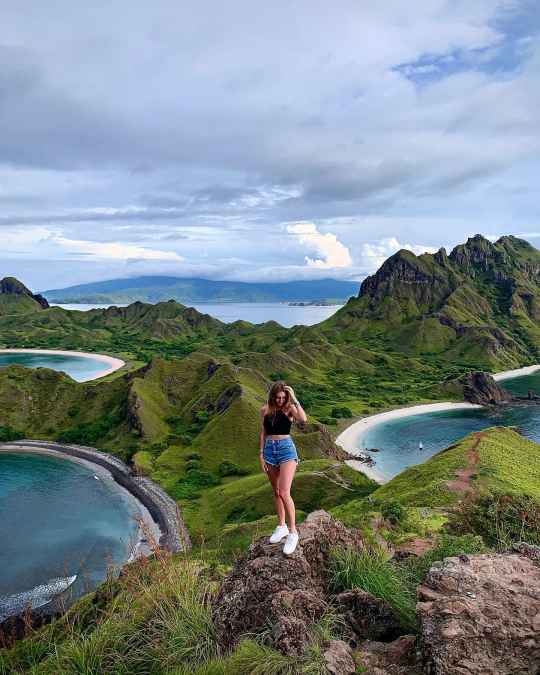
[478, 305]
[15, 298]
[164, 412]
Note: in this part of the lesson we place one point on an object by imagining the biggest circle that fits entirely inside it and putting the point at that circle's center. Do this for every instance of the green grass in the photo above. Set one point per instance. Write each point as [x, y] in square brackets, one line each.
[507, 461]
[317, 484]
[372, 571]
[156, 619]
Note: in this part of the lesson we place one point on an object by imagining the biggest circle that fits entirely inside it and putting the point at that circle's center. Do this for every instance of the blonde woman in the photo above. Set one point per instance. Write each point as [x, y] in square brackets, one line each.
[279, 457]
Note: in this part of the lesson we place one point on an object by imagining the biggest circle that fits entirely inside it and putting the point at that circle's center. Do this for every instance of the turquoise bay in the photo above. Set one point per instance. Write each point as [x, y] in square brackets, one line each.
[62, 526]
[80, 368]
[398, 440]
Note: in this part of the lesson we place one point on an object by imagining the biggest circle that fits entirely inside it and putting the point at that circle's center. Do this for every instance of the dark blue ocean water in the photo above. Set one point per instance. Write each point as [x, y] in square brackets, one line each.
[80, 368]
[59, 527]
[399, 440]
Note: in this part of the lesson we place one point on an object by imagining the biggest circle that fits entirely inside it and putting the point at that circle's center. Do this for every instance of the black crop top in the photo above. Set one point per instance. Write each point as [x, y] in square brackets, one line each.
[278, 424]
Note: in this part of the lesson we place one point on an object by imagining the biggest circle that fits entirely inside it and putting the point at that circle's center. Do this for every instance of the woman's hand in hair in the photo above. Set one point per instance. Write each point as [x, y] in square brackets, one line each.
[291, 394]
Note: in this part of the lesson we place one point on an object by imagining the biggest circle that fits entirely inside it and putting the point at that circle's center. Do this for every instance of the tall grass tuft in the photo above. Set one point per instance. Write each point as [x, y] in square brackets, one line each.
[372, 571]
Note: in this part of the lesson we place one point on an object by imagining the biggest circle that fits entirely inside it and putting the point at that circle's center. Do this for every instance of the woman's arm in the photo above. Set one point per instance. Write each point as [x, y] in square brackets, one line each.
[262, 439]
[296, 408]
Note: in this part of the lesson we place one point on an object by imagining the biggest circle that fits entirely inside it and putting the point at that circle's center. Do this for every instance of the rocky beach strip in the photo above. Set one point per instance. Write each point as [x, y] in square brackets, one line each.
[174, 536]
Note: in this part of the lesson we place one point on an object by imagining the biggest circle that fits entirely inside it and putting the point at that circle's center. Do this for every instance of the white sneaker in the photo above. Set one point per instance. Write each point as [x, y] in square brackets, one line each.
[278, 534]
[290, 543]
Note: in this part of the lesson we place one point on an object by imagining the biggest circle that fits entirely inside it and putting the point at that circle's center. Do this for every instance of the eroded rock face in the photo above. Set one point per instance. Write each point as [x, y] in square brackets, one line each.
[481, 615]
[285, 594]
[367, 616]
[338, 659]
[481, 388]
[389, 658]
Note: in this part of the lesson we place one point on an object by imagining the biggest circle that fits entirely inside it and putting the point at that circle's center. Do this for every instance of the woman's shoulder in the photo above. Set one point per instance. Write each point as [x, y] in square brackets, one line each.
[264, 409]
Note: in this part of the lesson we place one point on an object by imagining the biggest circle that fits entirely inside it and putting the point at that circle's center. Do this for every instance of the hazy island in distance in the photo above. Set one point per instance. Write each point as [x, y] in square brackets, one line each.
[185, 290]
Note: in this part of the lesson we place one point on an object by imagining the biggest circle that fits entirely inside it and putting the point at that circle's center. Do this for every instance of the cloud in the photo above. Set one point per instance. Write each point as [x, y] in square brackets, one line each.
[112, 250]
[122, 128]
[373, 254]
[332, 253]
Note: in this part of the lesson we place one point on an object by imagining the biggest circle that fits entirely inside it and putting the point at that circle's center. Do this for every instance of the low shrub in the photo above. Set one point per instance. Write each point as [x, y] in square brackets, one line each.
[500, 519]
[341, 412]
[231, 469]
[328, 420]
[9, 434]
[393, 512]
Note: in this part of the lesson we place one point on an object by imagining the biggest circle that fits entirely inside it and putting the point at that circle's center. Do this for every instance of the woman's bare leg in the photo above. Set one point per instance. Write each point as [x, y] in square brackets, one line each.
[273, 475]
[284, 482]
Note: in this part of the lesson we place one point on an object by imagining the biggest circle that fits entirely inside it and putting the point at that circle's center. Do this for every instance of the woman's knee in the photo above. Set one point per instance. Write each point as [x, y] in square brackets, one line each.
[283, 493]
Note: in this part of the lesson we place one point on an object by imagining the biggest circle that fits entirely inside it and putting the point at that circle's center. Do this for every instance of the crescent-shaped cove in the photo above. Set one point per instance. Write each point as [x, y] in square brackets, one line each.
[400, 438]
[81, 366]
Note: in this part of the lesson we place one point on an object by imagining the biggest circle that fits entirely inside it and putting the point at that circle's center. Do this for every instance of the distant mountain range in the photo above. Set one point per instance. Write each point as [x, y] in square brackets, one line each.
[159, 288]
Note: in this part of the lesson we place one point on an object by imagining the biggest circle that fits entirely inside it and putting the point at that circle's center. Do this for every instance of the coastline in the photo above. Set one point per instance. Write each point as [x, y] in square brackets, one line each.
[348, 438]
[146, 523]
[112, 362]
[518, 372]
[163, 511]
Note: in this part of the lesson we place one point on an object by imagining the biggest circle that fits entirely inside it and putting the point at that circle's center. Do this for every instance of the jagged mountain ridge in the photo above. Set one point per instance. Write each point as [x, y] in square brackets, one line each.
[481, 302]
[478, 306]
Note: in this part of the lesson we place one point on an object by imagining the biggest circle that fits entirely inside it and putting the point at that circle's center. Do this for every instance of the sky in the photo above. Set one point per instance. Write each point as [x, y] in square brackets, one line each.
[261, 141]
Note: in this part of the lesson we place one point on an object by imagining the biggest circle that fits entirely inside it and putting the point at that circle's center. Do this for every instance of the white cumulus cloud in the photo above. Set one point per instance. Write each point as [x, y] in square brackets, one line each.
[330, 252]
[373, 254]
[114, 250]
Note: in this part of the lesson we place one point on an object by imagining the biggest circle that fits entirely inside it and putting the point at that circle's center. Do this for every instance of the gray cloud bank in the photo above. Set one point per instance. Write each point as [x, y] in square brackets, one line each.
[252, 141]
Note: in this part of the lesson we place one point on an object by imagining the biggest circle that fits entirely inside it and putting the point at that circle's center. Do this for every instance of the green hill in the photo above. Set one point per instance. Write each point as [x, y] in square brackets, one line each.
[15, 298]
[480, 304]
[498, 459]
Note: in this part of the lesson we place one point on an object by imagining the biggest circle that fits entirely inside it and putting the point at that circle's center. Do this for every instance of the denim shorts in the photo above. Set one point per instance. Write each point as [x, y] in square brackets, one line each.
[277, 451]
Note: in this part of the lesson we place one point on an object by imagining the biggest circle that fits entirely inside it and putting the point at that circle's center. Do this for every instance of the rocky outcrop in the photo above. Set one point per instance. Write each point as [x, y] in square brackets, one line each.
[389, 658]
[12, 286]
[368, 617]
[416, 284]
[284, 594]
[481, 388]
[338, 659]
[481, 615]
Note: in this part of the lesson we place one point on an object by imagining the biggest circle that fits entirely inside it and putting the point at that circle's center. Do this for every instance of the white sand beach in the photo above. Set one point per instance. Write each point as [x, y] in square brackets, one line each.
[348, 438]
[112, 363]
[518, 372]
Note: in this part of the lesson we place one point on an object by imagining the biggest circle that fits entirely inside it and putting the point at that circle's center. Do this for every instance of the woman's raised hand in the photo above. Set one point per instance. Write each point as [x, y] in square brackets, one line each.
[291, 393]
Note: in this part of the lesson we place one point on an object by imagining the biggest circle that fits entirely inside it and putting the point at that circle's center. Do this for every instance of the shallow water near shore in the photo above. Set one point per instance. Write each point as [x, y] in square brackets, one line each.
[60, 527]
[398, 440]
[80, 368]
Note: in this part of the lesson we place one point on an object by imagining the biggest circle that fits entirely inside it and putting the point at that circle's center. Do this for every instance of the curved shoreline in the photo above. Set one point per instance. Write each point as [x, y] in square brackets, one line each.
[348, 438]
[163, 510]
[517, 372]
[113, 363]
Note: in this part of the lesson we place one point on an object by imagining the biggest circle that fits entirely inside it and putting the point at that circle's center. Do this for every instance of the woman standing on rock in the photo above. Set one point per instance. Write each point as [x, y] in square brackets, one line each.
[279, 457]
